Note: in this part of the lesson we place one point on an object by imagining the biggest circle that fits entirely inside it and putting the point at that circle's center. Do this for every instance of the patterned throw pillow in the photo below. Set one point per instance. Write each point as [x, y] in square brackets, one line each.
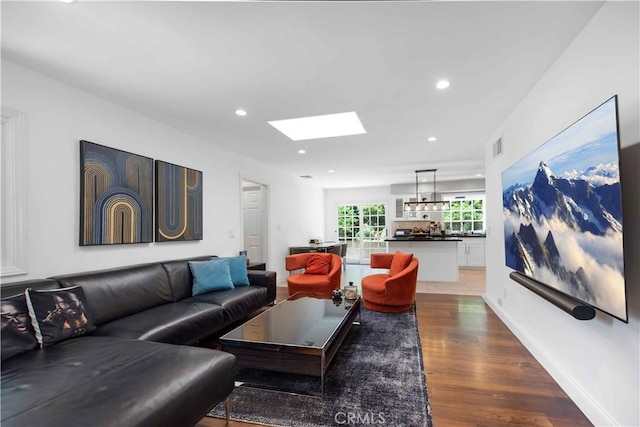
[318, 264]
[59, 314]
[17, 333]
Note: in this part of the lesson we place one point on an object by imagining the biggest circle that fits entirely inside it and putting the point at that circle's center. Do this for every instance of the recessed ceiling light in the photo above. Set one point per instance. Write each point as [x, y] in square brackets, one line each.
[67, 1]
[331, 171]
[478, 174]
[431, 138]
[301, 151]
[325, 126]
[443, 84]
[241, 112]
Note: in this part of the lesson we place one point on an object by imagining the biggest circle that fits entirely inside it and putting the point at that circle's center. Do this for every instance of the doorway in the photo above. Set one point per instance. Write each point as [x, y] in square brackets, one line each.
[363, 228]
[255, 220]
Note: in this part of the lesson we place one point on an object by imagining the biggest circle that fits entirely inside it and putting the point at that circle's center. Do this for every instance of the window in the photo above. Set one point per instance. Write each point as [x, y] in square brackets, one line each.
[466, 214]
[348, 222]
[363, 228]
[374, 217]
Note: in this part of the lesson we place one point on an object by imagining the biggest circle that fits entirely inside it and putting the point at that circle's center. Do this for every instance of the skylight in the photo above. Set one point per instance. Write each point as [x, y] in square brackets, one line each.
[316, 127]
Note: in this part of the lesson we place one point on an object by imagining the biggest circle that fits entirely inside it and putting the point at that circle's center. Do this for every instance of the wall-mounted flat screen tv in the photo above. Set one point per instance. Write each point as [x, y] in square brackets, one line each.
[563, 213]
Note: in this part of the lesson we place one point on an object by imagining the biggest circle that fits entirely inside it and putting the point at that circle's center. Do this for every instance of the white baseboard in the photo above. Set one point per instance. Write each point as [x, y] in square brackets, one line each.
[589, 406]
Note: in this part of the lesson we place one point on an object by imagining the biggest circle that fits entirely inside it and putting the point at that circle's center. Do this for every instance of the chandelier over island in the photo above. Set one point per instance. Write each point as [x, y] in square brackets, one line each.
[424, 204]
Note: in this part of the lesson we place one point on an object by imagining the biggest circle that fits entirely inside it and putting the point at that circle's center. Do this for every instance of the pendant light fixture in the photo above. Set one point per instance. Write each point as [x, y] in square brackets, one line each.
[425, 205]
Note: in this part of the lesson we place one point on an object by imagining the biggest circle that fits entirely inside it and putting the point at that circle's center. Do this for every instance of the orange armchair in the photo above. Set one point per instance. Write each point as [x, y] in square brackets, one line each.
[322, 274]
[393, 292]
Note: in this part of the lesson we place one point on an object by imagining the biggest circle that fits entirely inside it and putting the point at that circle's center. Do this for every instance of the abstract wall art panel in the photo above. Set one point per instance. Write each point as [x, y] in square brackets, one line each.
[116, 196]
[562, 208]
[178, 203]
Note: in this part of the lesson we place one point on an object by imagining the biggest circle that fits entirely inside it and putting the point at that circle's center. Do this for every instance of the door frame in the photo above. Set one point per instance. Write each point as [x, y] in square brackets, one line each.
[266, 216]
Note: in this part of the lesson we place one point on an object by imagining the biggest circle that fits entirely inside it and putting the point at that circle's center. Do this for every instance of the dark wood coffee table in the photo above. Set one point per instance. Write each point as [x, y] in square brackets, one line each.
[300, 335]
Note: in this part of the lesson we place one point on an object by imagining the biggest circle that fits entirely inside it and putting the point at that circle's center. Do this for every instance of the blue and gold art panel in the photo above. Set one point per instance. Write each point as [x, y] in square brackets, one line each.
[116, 196]
[178, 203]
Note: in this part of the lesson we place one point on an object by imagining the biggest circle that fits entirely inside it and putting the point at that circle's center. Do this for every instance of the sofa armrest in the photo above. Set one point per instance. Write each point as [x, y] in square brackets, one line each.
[335, 273]
[266, 279]
[296, 261]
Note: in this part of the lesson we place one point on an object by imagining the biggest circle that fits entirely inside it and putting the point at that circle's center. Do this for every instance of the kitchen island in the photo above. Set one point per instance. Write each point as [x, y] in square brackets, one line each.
[438, 256]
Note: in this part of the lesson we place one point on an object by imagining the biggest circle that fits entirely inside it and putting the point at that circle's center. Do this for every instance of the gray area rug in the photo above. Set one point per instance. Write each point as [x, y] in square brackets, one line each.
[377, 377]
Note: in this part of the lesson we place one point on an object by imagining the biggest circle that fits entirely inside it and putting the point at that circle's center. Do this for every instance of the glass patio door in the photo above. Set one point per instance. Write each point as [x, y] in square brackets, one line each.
[363, 228]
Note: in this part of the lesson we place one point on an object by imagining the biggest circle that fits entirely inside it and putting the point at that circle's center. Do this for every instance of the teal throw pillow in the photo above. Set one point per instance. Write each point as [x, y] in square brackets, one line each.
[238, 269]
[210, 276]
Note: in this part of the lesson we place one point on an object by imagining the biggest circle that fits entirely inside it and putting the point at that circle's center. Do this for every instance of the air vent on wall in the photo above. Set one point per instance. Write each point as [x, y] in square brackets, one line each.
[497, 148]
[306, 177]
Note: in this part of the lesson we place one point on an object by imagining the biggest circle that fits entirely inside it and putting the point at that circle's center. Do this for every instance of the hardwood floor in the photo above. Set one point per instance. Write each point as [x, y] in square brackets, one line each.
[478, 373]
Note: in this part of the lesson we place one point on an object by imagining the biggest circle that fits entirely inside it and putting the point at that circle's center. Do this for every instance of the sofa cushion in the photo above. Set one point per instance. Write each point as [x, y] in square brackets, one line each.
[400, 262]
[374, 286]
[59, 314]
[117, 293]
[320, 285]
[237, 303]
[183, 322]
[11, 289]
[210, 275]
[180, 277]
[17, 334]
[102, 381]
[318, 264]
[308, 280]
[238, 270]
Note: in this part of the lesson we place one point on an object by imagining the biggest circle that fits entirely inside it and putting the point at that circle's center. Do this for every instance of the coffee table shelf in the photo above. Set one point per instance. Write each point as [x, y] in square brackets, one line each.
[300, 335]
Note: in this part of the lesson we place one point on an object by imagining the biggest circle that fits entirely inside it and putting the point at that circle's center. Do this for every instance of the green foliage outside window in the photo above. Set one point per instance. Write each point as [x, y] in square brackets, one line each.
[372, 227]
[465, 215]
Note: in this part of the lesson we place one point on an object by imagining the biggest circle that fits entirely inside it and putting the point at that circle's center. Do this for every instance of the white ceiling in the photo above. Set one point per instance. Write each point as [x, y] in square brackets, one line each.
[191, 64]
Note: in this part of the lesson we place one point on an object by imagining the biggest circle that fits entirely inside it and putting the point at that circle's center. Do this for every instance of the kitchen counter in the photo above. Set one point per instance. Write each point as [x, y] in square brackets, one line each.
[313, 247]
[423, 239]
[437, 256]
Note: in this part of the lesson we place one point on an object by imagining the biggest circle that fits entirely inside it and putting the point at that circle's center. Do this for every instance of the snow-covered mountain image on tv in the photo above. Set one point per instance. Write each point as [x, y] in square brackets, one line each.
[563, 213]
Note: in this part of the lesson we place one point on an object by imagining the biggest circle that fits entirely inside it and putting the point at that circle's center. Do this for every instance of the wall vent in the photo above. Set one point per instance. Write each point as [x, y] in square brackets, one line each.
[497, 148]
[306, 177]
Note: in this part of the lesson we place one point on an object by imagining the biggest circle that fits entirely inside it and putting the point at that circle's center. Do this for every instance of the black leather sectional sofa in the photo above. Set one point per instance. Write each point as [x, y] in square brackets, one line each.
[138, 368]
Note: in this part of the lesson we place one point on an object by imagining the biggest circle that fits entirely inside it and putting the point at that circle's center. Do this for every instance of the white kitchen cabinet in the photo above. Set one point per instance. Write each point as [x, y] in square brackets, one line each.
[471, 252]
[437, 258]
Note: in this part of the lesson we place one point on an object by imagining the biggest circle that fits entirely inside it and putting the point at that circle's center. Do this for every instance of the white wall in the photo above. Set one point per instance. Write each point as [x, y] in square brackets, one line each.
[58, 116]
[597, 362]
